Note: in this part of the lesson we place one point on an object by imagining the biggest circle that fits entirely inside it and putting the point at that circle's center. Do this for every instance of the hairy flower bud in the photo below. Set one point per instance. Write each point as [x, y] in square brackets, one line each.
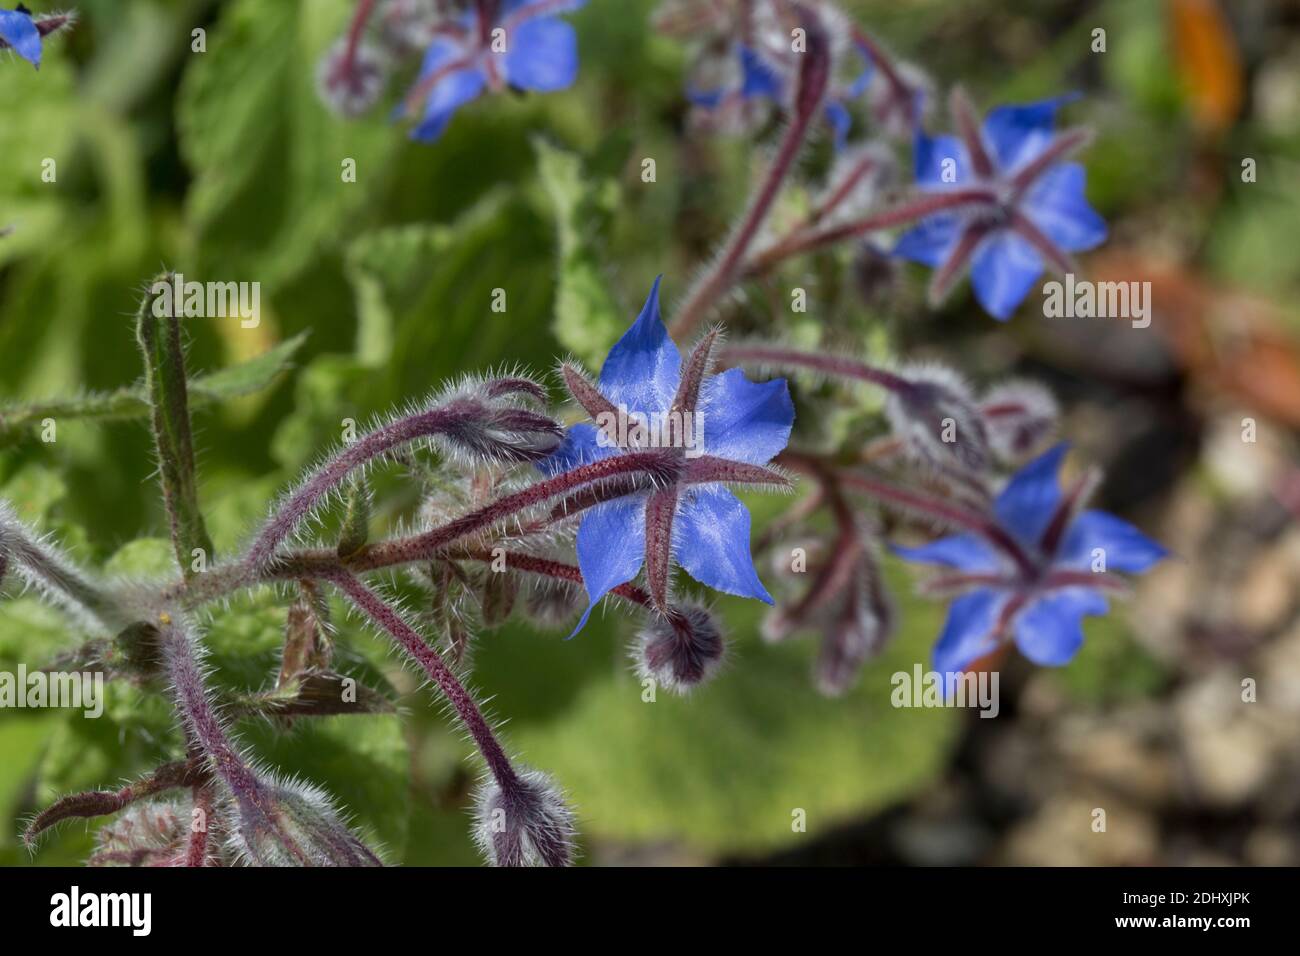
[350, 77]
[1019, 417]
[409, 26]
[526, 822]
[551, 603]
[153, 833]
[845, 600]
[308, 831]
[937, 419]
[681, 649]
[857, 633]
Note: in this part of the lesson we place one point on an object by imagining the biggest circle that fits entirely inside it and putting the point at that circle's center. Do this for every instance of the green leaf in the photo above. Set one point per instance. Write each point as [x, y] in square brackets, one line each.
[267, 156]
[165, 381]
[724, 769]
[18, 419]
[356, 518]
[587, 318]
[250, 376]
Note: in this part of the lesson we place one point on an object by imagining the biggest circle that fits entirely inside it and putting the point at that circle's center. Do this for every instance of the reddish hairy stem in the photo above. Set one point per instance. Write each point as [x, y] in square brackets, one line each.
[878, 57]
[545, 567]
[196, 853]
[813, 361]
[389, 620]
[182, 667]
[443, 420]
[421, 546]
[97, 803]
[864, 165]
[944, 511]
[910, 210]
[814, 72]
[355, 29]
[583, 487]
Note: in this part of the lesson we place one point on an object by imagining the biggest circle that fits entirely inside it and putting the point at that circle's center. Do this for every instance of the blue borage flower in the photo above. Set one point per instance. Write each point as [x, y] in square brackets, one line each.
[1022, 207]
[19, 32]
[526, 47]
[692, 519]
[757, 79]
[1046, 565]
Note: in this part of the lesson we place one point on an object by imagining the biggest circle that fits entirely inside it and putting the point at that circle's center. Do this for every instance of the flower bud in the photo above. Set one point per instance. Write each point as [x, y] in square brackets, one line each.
[681, 649]
[409, 26]
[875, 274]
[305, 830]
[524, 823]
[936, 417]
[856, 635]
[349, 79]
[154, 833]
[552, 603]
[1019, 417]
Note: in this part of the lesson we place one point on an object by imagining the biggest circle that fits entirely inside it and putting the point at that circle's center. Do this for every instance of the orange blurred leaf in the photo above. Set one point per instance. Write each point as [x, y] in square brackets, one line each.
[1208, 62]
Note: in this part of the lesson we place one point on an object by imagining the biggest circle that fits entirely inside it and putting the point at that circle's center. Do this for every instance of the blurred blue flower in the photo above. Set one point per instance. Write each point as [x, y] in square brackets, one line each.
[758, 79]
[1022, 205]
[526, 48]
[694, 520]
[1050, 566]
[19, 33]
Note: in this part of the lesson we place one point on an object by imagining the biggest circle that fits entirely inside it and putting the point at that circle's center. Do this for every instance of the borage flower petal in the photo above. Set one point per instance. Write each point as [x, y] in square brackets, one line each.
[19, 33]
[688, 515]
[1033, 575]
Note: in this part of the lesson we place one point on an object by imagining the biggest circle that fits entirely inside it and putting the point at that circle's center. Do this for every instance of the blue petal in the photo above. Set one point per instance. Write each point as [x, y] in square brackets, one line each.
[711, 541]
[1057, 205]
[966, 552]
[542, 55]
[1050, 630]
[968, 633]
[18, 30]
[1003, 271]
[930, 154]
[757, 78]
[1029, 500]
[1019, 133]
[643, 368]
[449, 94]
[581, 446]
[930, 242]
[743, 420]
[709, 99]
[840, 121]
[611, 548]
[1124, 546]
[863, 80]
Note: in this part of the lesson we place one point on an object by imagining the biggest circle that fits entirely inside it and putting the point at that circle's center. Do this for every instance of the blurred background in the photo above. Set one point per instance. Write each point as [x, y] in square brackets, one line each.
[224, 164]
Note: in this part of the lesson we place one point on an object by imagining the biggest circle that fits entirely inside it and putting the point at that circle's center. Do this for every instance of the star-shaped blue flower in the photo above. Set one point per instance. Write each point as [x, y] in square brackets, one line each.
[1022, 206]
[526, 47]
[1043, 565]
[693, 520]
[19, 32]
[757, 79]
